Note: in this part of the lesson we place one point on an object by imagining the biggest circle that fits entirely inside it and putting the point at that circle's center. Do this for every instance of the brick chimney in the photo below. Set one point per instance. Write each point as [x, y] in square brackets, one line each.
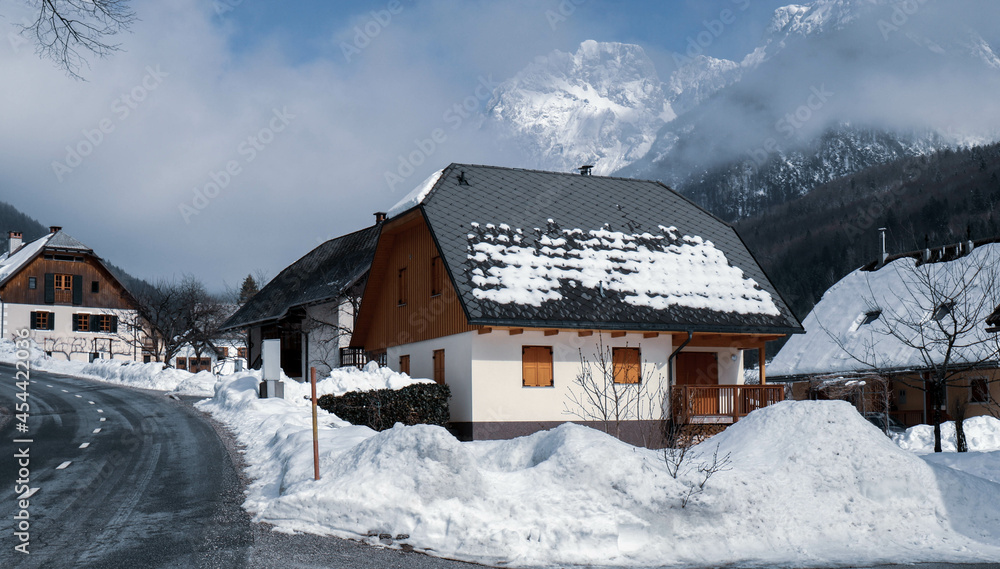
[54, 229]
[379, 216]
[15, 241]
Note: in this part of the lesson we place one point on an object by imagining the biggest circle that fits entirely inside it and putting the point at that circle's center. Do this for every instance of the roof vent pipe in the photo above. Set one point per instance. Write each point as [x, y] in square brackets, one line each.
[379, 216]
[884, 255]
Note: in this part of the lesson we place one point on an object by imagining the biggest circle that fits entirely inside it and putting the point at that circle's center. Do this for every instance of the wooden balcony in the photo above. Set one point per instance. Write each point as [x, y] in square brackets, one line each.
[721, 404]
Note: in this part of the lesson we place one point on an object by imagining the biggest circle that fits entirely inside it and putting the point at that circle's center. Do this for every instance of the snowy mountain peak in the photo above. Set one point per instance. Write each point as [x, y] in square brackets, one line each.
[601, 105]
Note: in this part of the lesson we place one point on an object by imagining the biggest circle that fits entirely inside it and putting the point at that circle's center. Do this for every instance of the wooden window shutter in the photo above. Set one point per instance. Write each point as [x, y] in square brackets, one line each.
[401, 287]
[77, 289]
[114, 324]
[95, 322]
[34, 320]
[76, 322]
[625, 365]
[439, 366]
[536, 366]
[50, 288]
[52, 321]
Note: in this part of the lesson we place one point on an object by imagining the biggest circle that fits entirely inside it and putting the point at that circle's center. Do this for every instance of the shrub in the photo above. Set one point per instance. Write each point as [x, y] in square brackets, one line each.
[421, 403]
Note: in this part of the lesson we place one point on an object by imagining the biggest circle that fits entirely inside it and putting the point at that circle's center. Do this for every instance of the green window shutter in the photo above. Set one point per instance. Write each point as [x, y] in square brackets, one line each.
[75, 322]
[50, 288]
[52, 321]
[114, 324]
[78, 289]
[95, 322]
[34, 318]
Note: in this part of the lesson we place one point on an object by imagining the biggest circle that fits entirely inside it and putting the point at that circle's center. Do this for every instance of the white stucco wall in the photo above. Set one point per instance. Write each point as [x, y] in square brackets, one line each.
[500, 396]
[63, 342]
[457, 367]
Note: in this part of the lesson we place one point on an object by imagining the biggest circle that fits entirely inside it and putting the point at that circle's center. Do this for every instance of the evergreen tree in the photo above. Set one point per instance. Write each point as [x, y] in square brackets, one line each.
[248, 289]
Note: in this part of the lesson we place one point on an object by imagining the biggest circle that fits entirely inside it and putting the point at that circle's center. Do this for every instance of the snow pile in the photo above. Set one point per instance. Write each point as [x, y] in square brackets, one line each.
[809, 483]
[981, 434]
[519, 270]
[133, 374]
[372, 377]
[416, 195]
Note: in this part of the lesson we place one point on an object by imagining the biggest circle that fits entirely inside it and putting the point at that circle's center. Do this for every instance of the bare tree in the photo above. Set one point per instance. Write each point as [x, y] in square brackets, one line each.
[598, 397]
[178, 314]
[65, 29]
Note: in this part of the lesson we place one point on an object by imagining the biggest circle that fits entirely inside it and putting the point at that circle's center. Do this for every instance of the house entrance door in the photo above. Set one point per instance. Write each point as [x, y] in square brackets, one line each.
[700, 369]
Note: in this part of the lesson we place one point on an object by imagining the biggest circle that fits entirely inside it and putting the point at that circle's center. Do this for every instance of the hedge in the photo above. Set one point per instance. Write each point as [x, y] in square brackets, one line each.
[421, 403]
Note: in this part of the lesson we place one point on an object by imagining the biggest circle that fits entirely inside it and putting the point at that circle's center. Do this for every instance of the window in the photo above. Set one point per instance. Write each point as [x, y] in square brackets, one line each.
[43, 321]
[241, 352]
[63, 287]
[942, 310]
[401, 288]
[146, 358]
[439, 366]
[95, 286]
[871, 316]
[181, 363]
[32, 283]
[979, 391]
[107, 323]
[81, 322]
[437, 276]
[223, 352]
[404, 364]
[536, 366]
[625, 365]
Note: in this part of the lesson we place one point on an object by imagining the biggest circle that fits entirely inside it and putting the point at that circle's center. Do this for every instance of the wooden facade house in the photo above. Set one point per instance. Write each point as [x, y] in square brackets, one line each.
[495, 281]
[310, 306]
[849, 339]
[74, 306]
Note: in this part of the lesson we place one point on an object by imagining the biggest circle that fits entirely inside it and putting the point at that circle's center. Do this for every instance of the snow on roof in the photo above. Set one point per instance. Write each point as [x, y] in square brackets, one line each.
[655, 271]
[849, 329]
[11, 264]
[416, 195]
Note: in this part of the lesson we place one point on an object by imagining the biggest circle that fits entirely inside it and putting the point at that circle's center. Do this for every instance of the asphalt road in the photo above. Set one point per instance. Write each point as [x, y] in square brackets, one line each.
[133, 478]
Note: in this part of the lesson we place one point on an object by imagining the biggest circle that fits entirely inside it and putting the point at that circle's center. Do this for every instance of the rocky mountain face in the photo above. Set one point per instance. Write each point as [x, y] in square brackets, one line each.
[833, 87]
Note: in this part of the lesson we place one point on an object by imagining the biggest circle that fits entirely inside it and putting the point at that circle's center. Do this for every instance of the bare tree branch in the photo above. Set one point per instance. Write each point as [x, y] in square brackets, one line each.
[65, 29]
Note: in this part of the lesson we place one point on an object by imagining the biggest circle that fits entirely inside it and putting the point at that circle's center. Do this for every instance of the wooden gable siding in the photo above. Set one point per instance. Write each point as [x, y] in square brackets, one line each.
[383, 322]
[111, 294]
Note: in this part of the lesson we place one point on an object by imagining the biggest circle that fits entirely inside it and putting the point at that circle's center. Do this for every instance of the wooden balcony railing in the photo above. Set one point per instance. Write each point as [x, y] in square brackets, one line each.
[722, 404]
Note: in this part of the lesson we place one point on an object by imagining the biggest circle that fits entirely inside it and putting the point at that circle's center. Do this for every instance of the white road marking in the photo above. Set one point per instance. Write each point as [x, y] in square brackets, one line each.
[91, 402]
[97, 430]
[64, 391]
[47, 385]
[64, 465]
[85, 445]
[80, 396]
[104, 418]
[100, 410]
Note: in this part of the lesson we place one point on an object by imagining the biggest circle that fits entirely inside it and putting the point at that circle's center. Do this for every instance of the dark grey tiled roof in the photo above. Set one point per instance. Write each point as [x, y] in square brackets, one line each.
[321, 275]
[528, 199]
[62, 241]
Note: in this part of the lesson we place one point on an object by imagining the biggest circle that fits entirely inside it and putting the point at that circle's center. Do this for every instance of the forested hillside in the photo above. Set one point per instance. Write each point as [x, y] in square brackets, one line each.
[808, 244]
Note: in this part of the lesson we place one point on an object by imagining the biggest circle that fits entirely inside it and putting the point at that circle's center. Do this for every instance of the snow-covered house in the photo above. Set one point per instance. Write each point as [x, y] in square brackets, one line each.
[496, 280]
[73, 305]
[224, 356]
[884, 327]
[310, 306]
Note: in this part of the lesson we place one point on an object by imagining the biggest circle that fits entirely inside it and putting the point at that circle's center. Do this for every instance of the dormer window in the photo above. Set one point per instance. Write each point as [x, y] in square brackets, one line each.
[942, 310]
[871, 316]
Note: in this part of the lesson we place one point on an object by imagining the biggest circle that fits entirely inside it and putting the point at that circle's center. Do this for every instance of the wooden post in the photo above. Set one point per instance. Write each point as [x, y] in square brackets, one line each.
[761, 352]
[312, 373]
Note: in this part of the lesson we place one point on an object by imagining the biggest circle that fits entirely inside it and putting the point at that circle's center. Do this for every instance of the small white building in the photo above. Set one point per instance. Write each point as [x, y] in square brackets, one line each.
[73, 305]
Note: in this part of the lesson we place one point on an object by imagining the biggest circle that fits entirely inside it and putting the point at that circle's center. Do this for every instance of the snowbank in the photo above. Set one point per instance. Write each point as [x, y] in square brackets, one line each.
[810, 483]
[145, 376]
[981, 434]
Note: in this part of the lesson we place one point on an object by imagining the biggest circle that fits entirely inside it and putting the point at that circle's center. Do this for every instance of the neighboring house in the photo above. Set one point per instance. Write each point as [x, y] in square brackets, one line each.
[310, 306]
[223, 357]
[863, 338]
[495, 281]
[64, 294]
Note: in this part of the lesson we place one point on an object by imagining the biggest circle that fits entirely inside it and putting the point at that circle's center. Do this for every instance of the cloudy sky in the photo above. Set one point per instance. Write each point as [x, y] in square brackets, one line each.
[235, 135]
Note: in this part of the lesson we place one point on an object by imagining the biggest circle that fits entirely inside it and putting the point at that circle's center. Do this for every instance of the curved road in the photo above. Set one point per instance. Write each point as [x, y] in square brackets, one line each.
[132, 478]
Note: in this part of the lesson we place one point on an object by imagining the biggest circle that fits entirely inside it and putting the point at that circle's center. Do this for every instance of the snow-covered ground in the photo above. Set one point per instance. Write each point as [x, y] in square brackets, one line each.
[808, 483]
